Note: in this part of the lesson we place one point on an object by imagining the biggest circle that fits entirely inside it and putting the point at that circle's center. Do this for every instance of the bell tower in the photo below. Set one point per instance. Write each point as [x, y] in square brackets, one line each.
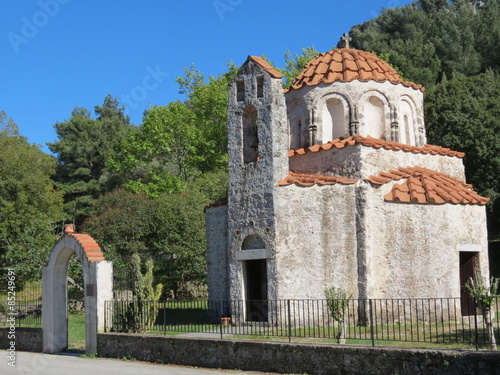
[258, 157]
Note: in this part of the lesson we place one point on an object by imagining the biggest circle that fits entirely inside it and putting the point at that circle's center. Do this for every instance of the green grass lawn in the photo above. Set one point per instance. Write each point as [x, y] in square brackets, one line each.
[76, 331]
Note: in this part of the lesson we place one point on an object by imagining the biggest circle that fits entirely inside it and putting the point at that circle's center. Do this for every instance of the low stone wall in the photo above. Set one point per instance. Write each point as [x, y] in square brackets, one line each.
[296, 358]
[26, 339]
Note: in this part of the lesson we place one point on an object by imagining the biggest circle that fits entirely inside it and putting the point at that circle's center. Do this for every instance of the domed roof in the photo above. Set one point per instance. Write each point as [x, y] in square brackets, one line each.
[346, 65]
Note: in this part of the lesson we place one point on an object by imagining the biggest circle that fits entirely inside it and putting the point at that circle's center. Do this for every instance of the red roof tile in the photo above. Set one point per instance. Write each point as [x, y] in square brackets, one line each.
[221, 202]
[304, 179]
[267, 67]
[91, 248]
[346, 65]
[424, 185]
[377, 143]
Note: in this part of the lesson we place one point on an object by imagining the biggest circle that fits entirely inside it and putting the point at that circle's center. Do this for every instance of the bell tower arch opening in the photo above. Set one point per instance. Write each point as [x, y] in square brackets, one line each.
[250, 135]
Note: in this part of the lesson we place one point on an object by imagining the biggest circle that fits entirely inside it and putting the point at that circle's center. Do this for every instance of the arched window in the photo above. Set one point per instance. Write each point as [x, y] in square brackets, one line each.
[253, 242]
[407, 132]
[333, 120]
[374, 118]
[295, 133]
[250, 135]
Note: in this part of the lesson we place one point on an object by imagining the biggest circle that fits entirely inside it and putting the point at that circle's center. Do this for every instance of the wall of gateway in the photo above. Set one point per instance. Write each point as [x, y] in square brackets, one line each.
[26, 339]
[296, 358]
[278, 357]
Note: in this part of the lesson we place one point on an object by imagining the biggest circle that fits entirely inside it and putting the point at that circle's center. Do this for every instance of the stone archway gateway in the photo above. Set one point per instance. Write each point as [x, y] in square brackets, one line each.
[98, 280]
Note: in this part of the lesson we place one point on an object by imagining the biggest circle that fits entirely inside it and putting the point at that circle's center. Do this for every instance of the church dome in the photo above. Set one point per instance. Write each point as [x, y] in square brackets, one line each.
[346, 65]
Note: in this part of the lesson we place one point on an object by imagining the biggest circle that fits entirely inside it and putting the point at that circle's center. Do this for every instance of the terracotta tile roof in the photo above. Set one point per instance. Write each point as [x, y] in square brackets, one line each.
[424, 185]
[90, 247]
[267, 67]
[376, 143]
[221, 202]
[346, 65]
[304, 179]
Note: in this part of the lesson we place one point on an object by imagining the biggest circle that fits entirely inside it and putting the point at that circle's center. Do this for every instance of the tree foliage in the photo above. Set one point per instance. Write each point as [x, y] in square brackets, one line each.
[208, 100]
[431, 39]
[294, 64]
[168, 228]
[337, 301]
[179, 141]
[162, 155]
[83, 147]
[29, 204]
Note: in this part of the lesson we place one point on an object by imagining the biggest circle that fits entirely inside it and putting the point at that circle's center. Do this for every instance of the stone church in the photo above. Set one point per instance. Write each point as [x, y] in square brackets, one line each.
[332, 183]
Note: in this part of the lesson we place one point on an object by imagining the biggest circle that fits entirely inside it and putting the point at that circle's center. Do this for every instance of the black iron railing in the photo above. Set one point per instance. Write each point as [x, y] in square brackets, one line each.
[373, 321]
[21, 313]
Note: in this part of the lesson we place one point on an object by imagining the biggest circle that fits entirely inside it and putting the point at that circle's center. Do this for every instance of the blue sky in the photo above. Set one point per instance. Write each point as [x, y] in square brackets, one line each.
[59, 54]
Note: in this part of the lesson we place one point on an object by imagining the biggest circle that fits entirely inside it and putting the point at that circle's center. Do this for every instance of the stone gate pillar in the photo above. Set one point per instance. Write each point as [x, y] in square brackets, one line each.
[98, 280]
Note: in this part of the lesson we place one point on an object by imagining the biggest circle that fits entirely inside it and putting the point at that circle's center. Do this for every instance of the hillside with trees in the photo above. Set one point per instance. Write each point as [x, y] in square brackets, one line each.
[140, 190]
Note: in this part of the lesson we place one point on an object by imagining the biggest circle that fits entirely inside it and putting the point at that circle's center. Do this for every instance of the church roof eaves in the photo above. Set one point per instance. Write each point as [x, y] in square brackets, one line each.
[424, 185]
[306, 179]
[377, 143]
[220, 203]
[266, 66]
[346, 65]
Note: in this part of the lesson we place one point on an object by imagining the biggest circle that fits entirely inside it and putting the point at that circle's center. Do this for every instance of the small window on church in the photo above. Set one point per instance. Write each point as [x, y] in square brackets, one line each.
[260, 87]
[250, 135]
[240, 91]
[296, 134]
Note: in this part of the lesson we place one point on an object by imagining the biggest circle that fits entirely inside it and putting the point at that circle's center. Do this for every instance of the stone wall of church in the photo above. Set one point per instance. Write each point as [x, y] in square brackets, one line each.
[376, 160]
[412, 250]
[216, 232]
[361, 161]
[315, 240]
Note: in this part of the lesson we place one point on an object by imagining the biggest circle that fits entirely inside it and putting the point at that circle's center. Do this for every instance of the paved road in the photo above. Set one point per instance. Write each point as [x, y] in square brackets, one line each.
[46, 364]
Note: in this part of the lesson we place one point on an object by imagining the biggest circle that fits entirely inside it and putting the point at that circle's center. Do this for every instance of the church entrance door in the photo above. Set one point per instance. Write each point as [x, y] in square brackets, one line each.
[256, 290]
[469, 266]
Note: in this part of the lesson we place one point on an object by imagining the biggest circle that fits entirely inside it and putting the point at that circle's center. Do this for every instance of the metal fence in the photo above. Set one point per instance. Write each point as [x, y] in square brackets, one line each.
[21, 313]
[373, 321]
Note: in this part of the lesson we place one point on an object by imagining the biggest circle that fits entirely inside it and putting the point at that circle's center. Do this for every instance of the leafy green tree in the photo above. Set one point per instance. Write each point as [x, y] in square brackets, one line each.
[455, 39]
[294, 64]
[401, 35]
[337, 301]
[488, 33]
[7, 125]
[83, 147]
[179, 141]
[30, 206]
[429, 40]
[168, 229]
[464, 114]
[162, 154]
[208, 100]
